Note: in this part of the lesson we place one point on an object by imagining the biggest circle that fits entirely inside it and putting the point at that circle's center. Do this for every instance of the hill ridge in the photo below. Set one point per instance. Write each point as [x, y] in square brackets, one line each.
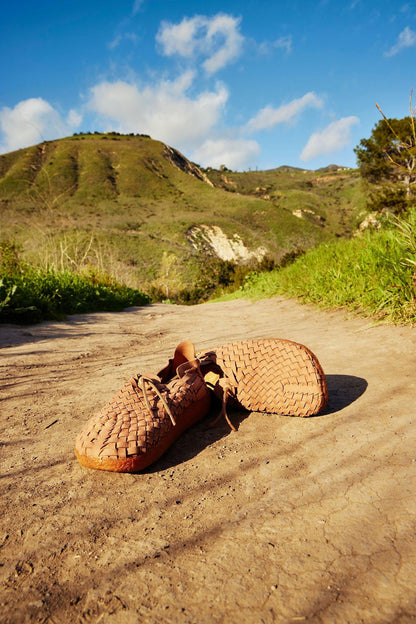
[126, 205]
[22, 170]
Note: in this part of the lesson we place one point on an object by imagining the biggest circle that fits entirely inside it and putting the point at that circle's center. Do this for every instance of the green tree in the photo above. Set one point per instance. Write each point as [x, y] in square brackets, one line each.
[390, 197]
[387, 160]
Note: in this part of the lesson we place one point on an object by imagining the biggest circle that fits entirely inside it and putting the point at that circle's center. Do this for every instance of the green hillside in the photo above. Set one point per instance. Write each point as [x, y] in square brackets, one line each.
[136, 209]
[331, 198]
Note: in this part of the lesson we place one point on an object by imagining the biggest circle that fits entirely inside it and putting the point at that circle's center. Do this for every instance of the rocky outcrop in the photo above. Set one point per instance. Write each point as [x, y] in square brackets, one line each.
[211, 240]
[371, 221]
[179, 161]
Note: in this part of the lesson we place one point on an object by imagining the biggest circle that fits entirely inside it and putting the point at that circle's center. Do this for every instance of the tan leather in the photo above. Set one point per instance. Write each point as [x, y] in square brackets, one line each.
[148, 413]
[268, 375]
[145, 417]
[184, 352]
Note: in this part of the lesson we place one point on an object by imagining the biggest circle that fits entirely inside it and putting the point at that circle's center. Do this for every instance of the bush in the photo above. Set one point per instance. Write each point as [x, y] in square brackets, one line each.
[217, 277]
[30, 295]
[372, 274]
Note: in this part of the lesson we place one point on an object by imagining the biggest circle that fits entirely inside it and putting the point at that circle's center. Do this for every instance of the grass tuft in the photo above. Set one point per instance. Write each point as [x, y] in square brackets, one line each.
[371, 275]
[30, 295]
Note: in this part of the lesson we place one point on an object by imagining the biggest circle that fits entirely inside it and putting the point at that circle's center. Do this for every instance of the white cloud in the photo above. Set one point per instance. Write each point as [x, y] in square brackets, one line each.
[115, 42]
[234, 153]
[406, 39]
[226, 27]
[216, 38]
[283, 43]
[164, 111]
[333, 138]
[180, 38]
[137, 4]
[129, 36]
[32, 121]
[269, 116]
[74, 119]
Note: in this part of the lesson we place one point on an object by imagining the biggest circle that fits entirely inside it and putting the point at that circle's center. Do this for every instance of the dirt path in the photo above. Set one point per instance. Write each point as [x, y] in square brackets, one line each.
[287, 520]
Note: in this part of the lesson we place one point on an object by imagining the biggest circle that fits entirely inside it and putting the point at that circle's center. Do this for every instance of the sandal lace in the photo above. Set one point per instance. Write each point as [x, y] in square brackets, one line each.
[140, 383]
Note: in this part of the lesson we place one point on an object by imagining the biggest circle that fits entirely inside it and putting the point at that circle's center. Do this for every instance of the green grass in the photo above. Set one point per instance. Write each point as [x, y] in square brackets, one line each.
[29, 295]
[371, 275]
[57, 176]
[336, 198]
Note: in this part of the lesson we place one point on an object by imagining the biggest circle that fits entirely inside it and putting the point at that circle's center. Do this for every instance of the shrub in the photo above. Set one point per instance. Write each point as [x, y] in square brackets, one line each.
[370, 274]
[29, 295]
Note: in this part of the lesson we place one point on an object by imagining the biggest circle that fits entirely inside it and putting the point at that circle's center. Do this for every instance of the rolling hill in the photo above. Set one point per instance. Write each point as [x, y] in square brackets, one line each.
[139, 210]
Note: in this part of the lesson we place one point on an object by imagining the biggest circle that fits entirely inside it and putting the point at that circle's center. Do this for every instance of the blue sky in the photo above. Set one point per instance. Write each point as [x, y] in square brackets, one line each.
[250, 84]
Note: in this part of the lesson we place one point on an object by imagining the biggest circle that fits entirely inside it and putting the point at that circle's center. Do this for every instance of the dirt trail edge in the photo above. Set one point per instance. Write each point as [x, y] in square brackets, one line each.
[286, 520]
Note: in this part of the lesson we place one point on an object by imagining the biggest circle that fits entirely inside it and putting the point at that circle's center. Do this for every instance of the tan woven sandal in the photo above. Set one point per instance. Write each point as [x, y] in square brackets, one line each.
[146, 416]
[269, 375]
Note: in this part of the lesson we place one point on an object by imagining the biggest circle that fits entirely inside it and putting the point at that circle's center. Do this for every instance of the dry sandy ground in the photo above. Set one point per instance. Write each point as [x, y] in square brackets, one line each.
[286, 520]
